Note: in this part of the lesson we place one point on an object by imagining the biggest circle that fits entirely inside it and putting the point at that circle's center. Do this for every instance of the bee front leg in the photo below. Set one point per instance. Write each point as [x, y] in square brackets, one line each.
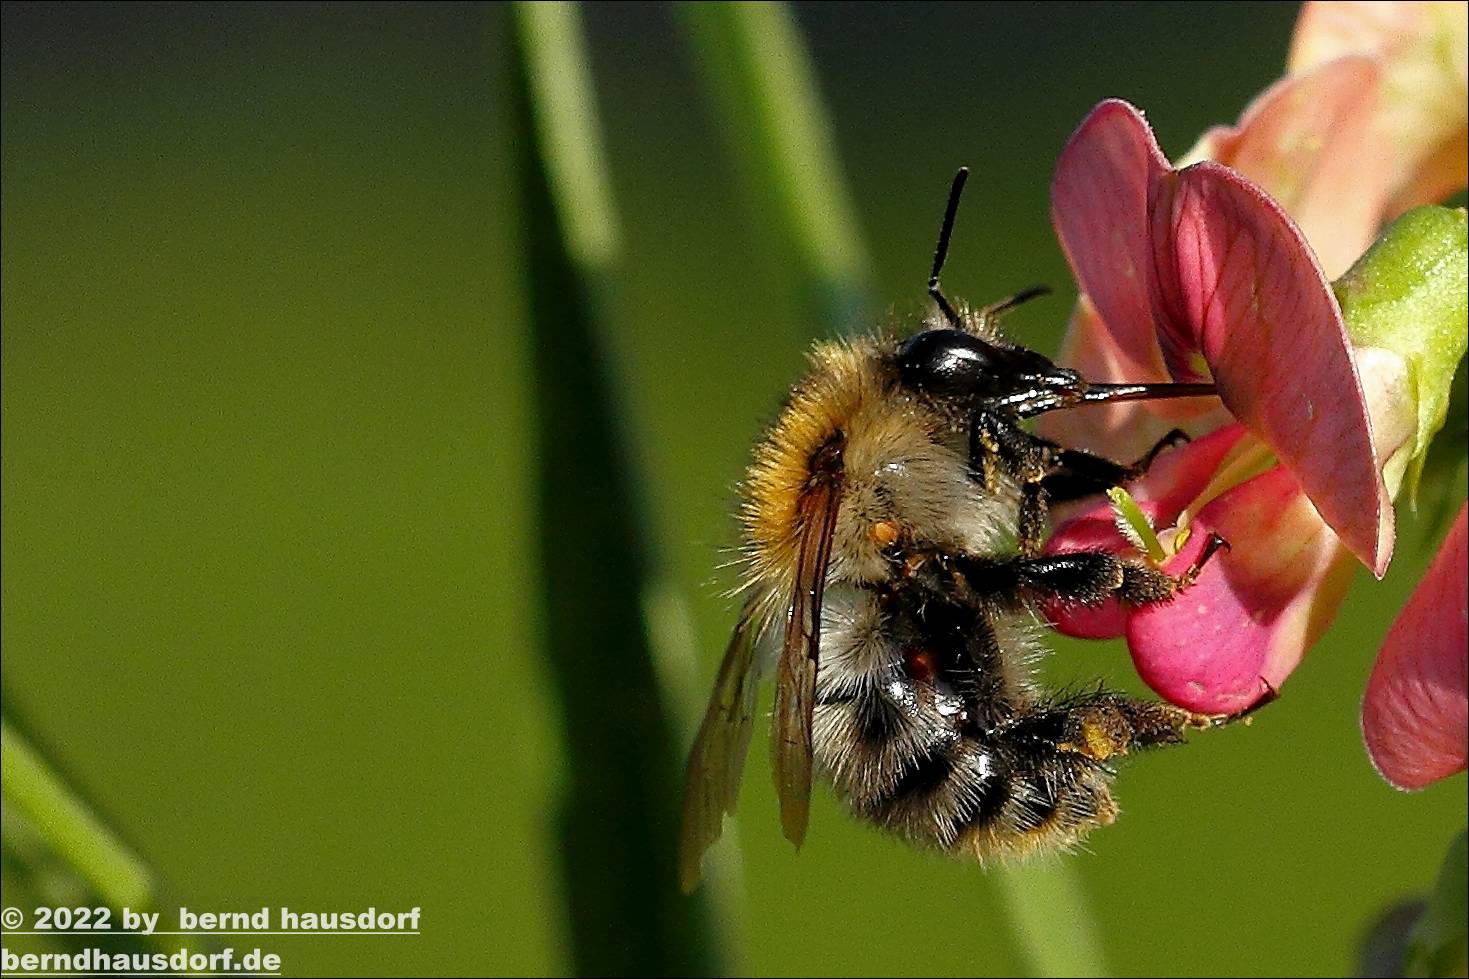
[1077, 474]
[997, 441]
[1031, 530]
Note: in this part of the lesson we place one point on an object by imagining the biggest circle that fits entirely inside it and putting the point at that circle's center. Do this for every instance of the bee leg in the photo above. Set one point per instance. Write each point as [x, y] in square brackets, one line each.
[1172, 440]
[1030, 532]
[1109, 724]
[1077, 474]
[1026, 457]
[984, 456]
[1084, 577]
[1103, 725]
[993, 442]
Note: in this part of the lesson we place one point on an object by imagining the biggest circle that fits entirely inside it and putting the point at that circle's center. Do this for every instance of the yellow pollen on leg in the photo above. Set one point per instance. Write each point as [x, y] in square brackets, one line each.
[885, 533]
[1096, 740]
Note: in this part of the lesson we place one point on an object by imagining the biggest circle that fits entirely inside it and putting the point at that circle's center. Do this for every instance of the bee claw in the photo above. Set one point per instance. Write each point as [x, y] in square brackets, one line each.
[1212, 546]
[1247, 715]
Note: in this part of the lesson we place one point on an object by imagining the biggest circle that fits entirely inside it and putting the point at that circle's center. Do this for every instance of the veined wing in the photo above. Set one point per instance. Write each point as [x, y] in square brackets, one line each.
[795, 691]
[717, 760]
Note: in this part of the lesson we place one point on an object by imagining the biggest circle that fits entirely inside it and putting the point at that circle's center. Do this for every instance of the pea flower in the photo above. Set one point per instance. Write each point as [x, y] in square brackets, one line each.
[1197, 272]
[1421, 115]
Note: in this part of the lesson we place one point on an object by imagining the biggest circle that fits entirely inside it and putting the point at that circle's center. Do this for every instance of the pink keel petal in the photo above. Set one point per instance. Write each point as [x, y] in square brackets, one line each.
[1236, 285]
[1416, 710]
[1093, 531]
[1175, 480]
[1254, 611]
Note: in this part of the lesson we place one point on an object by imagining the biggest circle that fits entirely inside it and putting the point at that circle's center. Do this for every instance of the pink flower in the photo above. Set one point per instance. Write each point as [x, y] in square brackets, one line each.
[1421, 119]
[1313, 142]
[1195, 273]
[1416, 710]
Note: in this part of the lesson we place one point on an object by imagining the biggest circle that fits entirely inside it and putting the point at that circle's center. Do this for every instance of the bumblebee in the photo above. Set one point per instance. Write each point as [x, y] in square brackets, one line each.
[894, 517]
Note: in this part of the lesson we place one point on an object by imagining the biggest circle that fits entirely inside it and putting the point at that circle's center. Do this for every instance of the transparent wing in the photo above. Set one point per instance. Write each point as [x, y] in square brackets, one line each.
[712, 779]
[795, 690]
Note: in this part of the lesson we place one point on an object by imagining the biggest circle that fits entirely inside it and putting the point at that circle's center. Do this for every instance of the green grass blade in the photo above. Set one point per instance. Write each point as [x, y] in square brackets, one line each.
[45, 817]
[765, 89]
[620, 809]
[1439, 943]
[1050, 921]
[764, 85]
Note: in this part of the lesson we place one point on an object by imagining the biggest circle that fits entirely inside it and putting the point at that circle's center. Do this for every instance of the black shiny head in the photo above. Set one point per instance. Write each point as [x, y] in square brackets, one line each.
[951, 363]
[957, 363]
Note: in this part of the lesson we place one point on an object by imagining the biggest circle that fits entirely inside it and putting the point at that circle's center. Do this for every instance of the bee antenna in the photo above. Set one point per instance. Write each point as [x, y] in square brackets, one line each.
[942, 251]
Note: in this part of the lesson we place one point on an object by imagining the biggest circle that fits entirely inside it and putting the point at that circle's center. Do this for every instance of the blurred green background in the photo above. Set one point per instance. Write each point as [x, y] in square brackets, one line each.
[270, 558]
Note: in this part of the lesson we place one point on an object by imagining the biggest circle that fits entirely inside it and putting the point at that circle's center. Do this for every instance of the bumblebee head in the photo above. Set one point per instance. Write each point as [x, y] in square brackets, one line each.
[949, 363]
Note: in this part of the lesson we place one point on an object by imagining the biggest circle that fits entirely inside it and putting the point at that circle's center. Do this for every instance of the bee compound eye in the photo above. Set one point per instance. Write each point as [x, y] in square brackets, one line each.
[946, 362]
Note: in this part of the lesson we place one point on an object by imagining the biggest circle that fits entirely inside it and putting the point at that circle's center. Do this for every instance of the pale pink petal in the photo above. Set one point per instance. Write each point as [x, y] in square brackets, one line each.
[1099, 199]
[1331, 29]
[1174, 481]
[1255, 609]
[1236, 287]
[1310, 142]
[1442, 171]
[1416, 711]
[1423, 117]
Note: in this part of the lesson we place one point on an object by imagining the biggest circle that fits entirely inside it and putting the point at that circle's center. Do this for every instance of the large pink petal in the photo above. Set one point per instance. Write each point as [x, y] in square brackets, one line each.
[1174, 482]
[1119, 429]
[1236, 287]
[1310, 142]
[1415, 714]
[1099, 200]
[1255, 609]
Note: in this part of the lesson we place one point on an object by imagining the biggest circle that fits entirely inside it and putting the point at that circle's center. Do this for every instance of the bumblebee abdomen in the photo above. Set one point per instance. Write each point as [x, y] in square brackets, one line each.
[933, 736]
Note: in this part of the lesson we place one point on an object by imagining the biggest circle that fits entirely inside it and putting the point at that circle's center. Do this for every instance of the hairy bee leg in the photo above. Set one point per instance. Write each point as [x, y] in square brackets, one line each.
[1086, 577]
[1104, 725]
[1030, 532]
[984, 457]
[1078, 474]
[1047, 473]
[994, 442]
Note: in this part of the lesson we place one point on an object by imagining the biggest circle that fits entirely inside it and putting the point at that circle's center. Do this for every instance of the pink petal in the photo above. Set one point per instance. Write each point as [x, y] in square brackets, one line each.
[1441, 171]
[1329, 29]
[1423, 115]
[1125, 429]
[1175, 480]
[1099, 200]
[1310, 142]
[1416, 711]
[1237, 287]
[1247, 621]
